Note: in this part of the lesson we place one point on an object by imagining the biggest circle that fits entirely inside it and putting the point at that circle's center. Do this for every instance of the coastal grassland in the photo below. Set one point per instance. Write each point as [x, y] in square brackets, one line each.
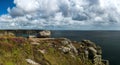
[15, 51]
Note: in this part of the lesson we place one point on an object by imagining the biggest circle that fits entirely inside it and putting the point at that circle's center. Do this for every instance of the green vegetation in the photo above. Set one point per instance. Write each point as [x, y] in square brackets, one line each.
[15, 51]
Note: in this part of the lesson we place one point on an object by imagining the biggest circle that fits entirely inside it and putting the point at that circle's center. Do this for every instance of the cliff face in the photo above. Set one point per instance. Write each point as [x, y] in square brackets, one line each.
[78, 53]
[48, 51]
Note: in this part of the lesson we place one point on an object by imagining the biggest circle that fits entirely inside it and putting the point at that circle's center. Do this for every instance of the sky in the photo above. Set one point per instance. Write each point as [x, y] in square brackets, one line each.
[60, 14]
[4, 4]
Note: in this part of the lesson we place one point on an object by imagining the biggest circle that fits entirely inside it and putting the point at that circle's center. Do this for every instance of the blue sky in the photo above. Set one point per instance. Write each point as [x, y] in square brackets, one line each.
[60, 14]
[4, 4]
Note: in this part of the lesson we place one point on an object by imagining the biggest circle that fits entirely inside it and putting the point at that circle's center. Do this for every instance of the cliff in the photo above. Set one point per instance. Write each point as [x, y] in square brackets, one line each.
[48, 51]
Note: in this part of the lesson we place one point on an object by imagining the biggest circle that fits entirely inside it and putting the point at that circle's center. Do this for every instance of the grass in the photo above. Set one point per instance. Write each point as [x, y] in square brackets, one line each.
[14, 51]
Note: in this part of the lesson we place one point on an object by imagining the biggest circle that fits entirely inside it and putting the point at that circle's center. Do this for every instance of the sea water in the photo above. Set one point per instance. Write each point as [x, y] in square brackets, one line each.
[108, 40]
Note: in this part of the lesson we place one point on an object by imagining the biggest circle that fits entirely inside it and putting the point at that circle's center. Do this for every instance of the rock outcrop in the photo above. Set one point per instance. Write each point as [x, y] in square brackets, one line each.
[40, 49]
[43, 34]
[92, 52]
[86, 49]
[31, 62]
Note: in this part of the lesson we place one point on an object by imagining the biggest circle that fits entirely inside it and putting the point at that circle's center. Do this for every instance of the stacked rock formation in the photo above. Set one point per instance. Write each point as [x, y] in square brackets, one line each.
[86, 49]
[40, 49]
[93, 52]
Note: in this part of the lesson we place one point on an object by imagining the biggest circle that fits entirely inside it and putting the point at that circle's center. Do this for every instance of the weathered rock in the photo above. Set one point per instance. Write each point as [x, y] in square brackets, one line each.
[11, 34]
[97, 60]
[32, 62]
[64, 42]
[65, 49]
[91, 49]
[99, 50]
[43, 34]
[106, 62]
[92, 53]
[32, 36]
[7, 33]
[73, 48]
[86, 54]
[86, 49]
[89, 43]
[61, 49]
[35, 43]
[42, 51]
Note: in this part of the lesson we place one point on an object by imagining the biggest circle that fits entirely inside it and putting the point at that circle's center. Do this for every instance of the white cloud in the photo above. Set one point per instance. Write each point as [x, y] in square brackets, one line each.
[62, 14]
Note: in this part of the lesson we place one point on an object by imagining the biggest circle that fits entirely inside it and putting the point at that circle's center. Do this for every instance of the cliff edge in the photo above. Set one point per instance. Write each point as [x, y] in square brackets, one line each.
[43, 50]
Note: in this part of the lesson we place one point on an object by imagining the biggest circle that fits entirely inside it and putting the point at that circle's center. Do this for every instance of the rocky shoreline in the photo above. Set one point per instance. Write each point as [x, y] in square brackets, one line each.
[61, 51]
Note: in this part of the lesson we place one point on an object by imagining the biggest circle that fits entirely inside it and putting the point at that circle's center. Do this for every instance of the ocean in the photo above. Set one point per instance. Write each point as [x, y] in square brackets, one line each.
[108, 40]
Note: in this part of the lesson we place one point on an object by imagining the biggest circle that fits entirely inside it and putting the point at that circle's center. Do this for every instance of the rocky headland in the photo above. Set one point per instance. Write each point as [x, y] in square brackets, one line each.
[41, 49]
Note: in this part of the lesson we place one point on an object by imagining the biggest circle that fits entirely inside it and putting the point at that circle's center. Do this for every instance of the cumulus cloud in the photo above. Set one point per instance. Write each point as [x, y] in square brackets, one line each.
[62, 14]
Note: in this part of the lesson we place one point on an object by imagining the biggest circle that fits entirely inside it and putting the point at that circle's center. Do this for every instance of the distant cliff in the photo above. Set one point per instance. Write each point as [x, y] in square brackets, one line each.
[48, 51]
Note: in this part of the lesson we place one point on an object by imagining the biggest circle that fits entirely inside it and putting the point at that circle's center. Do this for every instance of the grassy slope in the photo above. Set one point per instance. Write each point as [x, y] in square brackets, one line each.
[14, 51]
